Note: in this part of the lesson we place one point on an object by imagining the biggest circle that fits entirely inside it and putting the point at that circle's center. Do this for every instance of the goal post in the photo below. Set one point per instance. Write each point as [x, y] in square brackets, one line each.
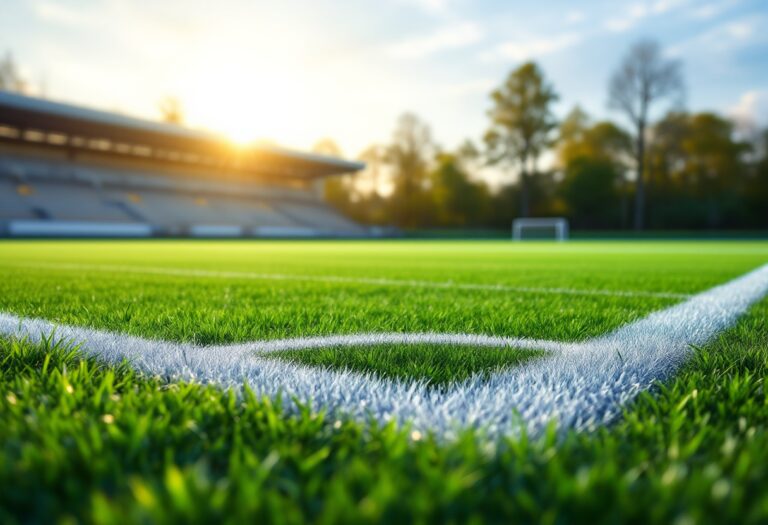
[558, 225]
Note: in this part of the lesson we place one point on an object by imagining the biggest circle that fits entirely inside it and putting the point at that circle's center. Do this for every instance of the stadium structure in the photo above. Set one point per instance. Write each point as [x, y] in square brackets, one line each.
[76, 172]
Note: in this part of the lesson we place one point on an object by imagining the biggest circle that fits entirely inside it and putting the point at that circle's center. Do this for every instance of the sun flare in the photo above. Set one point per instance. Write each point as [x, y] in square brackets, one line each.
[247, 103]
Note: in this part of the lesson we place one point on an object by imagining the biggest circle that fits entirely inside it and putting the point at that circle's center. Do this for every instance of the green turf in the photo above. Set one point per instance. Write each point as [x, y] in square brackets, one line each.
[216, 310]
[97, 444]
[437, 365]
[102, 445]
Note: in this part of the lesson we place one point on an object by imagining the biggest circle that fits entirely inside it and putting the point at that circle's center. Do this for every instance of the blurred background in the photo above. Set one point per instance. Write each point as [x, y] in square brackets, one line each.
[406, 117]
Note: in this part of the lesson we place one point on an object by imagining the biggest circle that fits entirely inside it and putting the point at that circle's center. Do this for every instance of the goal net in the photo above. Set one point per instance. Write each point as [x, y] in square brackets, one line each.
[542, 227]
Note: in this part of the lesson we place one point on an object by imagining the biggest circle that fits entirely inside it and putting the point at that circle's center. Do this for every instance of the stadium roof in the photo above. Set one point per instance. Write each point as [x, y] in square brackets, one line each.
[29, 113]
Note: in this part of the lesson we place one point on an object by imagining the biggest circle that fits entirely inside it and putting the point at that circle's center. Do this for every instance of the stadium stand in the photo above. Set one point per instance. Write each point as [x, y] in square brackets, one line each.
[72, 171]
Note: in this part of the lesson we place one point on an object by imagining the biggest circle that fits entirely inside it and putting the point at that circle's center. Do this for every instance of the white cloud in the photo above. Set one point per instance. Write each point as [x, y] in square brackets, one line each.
[723, 38]
[662, 6]
[575, 16]
[711, 10]
[751, 109]
[739, 30]
[60, 14]
[640, 11]
[430, 6]
[533, 48]
[452, 37]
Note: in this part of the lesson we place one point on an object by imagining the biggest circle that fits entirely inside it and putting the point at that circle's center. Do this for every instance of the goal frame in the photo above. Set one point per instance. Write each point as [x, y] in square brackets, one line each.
[558, 224]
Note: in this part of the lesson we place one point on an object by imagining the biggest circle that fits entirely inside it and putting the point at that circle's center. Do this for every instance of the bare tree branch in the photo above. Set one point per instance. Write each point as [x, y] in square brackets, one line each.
[643, 78]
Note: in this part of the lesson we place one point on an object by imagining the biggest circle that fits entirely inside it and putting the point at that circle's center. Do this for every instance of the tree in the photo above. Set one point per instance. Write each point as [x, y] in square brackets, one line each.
[409, 158]
[375, 157]
[171, 110]
[521, 124]
[580, 138]
[338, 191]
[10, 77]
[591, 191]
[643, 78]
[592, 158]
[700, 174]
[467, 152]
[458, 200]
[757, 192]
[572, 130]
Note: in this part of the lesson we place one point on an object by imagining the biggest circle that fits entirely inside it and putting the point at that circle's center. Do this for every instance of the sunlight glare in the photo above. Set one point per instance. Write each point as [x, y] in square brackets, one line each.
[247, 101]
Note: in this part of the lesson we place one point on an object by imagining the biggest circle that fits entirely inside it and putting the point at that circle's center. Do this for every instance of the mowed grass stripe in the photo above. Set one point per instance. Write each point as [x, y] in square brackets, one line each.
[375, 281]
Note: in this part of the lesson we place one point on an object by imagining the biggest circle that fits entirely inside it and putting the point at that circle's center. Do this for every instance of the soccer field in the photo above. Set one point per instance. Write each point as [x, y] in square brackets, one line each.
[396, 381]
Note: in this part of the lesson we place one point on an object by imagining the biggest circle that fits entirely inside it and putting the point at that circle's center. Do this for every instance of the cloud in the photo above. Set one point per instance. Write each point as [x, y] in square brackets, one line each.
[430, 6]
[708, 11]
[662, 6]
[59, 14]
[739, 30]
[575, 16]
[640, 11]
[453, 37]
[537, 47]
[751, 109]
[725, 37]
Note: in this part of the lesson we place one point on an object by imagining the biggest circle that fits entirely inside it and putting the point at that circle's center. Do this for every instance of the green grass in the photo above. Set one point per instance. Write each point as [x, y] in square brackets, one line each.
[437, 365]
[83, 441]
[217, 310]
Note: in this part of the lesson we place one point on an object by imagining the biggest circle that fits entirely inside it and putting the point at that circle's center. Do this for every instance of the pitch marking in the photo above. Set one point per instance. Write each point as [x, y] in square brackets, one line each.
[581, 385]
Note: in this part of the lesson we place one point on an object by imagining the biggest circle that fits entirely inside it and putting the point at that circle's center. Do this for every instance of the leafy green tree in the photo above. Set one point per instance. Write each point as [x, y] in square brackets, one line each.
[339, 191]
[347, 193]
[571, 134]
[757, 193]
[591, 189]
[370, 206]
[458, 200]
[374, 157]
[521, 124]
[593, 159]
[468, 152]
[603, 140]
[409, 160]
[698, 170]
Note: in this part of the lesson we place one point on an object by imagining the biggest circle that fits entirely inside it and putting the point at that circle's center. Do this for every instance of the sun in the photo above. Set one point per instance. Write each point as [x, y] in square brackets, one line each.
[247, 103]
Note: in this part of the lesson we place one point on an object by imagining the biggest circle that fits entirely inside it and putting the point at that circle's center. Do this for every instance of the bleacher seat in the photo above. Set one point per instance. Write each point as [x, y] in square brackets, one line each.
[14, 205]
[70, 196]
[320, 216]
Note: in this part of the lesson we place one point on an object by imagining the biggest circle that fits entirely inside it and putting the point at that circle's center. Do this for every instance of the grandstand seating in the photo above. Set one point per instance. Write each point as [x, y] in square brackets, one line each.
[72, 171]
[52, 192]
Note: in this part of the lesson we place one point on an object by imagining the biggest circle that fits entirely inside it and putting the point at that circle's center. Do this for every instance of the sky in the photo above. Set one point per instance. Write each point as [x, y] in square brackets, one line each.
[294, 72]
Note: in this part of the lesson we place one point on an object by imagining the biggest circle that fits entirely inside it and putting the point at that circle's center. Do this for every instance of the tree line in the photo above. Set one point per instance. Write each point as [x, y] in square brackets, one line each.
[681, 171]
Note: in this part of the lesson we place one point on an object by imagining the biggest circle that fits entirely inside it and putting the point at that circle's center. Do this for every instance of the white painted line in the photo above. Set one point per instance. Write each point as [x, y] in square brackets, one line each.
[192, 272]
[582, 385]
[379, 339]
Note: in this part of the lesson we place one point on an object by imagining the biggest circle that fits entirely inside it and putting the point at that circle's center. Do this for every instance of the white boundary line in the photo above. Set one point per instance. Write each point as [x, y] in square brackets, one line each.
[193, 272]
[581, 385]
